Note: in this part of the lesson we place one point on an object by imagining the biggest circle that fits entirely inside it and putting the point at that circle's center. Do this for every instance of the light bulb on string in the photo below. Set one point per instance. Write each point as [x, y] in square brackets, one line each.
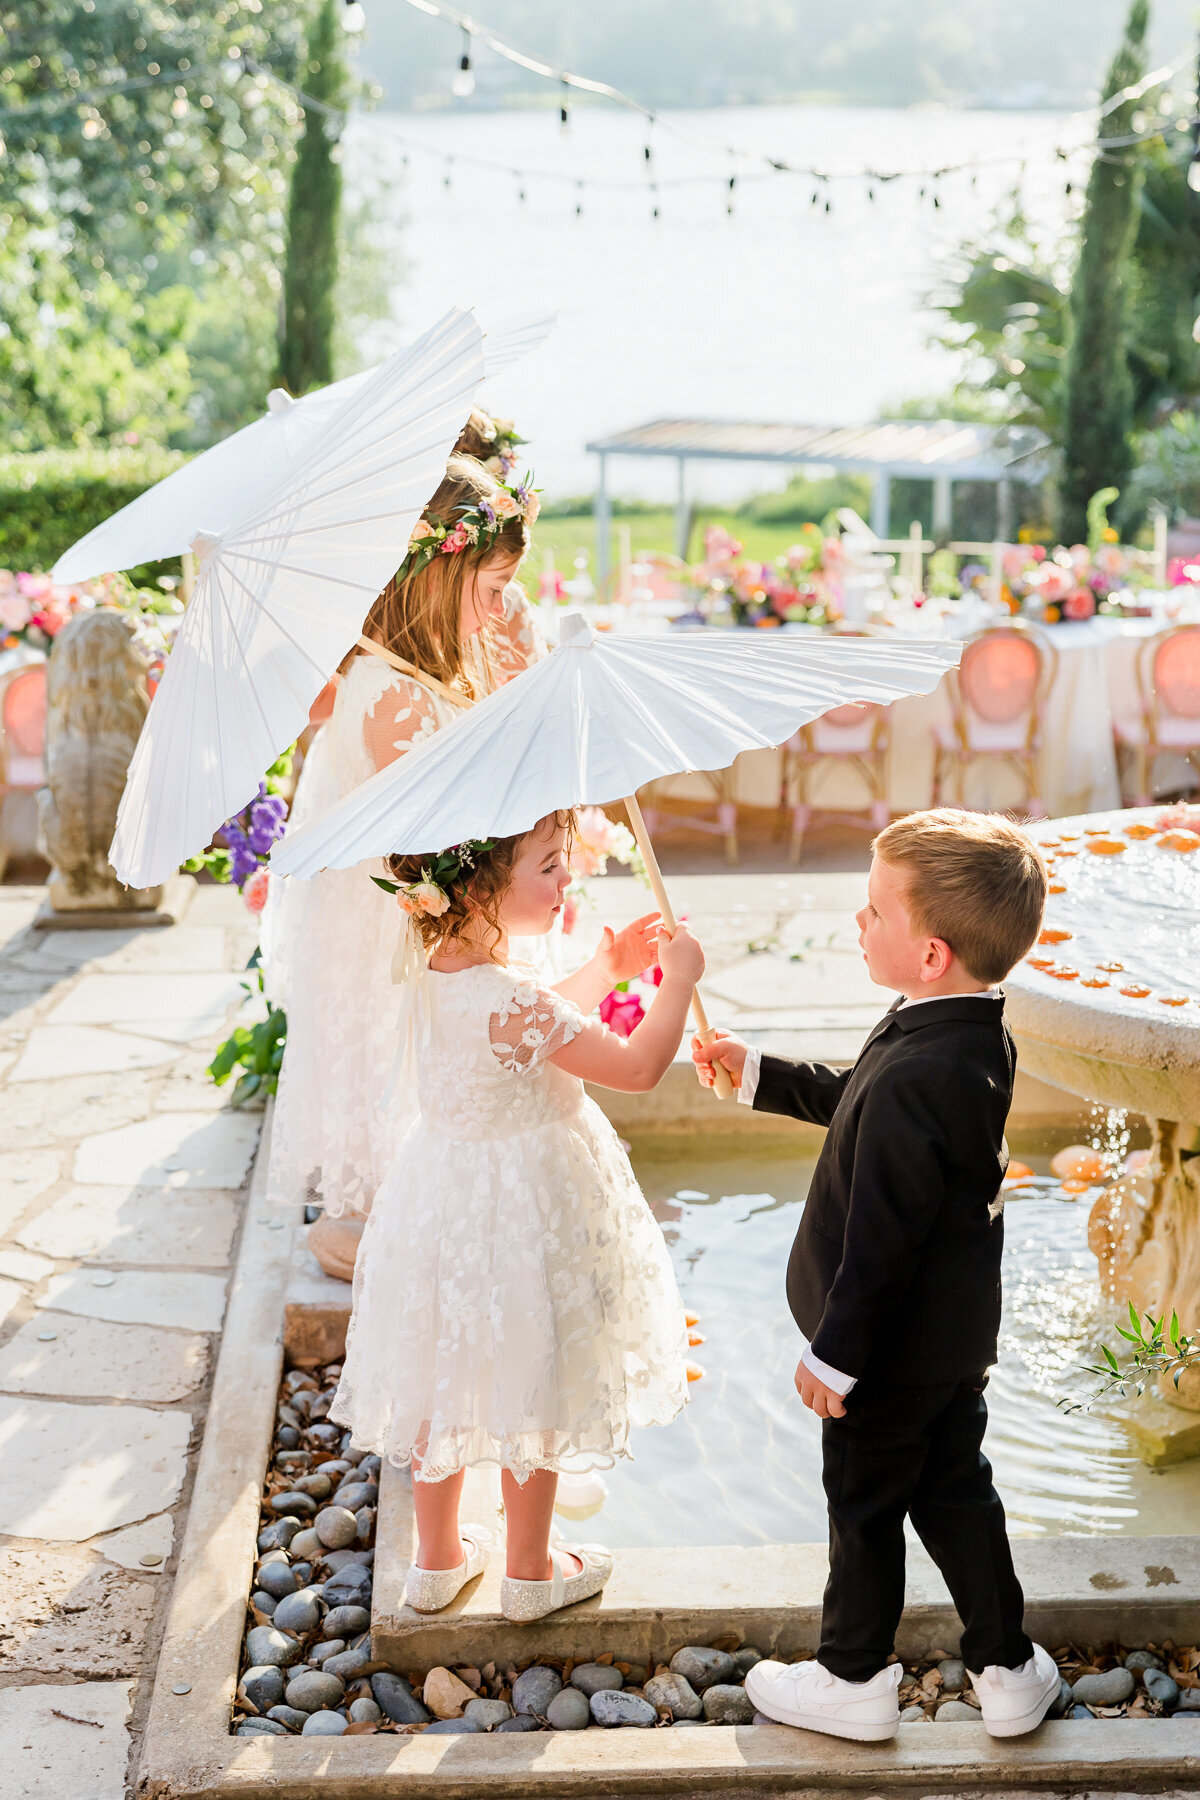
[446, 178]
[816, 199]
[463, 84]
[732, 184]
[870, 192]
[564, 115]
[1193, 174]
[353, 17]
[579, 200]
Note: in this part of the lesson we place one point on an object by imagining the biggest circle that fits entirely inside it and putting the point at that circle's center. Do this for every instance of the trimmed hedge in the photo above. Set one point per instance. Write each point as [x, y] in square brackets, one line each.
[49, 498]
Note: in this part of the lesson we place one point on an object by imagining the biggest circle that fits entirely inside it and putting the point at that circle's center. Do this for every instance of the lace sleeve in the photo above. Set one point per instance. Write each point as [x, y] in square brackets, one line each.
[403, 714]
[528, 1024]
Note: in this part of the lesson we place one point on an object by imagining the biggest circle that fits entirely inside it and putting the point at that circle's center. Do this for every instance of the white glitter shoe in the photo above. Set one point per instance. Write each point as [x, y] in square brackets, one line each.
[524, 1601]
[429, 1590]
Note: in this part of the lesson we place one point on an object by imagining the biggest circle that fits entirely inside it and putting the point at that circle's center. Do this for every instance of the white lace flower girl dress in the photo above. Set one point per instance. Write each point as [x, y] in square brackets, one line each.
[514, 1300]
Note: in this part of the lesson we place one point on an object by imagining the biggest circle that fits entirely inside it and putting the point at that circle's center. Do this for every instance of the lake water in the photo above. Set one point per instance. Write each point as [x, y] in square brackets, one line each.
[781, 311]
[742, 1465]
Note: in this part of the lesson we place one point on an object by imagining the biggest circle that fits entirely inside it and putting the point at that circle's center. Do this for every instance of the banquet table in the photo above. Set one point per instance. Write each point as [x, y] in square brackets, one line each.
[1095, 683]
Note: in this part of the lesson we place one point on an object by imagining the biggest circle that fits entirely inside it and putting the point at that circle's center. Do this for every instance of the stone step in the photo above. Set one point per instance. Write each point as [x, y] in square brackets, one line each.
[1081, 1590]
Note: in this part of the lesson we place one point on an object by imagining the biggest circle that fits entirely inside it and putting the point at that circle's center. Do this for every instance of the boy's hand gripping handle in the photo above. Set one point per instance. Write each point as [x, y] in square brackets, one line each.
[722, 1084]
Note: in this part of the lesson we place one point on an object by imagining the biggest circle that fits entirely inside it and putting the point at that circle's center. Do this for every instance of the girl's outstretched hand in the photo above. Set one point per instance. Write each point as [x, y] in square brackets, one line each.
[624, 954]
[681, 955]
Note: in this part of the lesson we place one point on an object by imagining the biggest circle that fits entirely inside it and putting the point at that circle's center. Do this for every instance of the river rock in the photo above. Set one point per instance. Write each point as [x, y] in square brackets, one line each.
[266, 1644]
[908, 1715]
[264, 1603]
[318, 1485]
[345, 1621]
[397, 1699]
[336, 1527]
[364, 1712]
[487, 1714]
[261, 1728]
[313, 1689]
[951, 1710]
[347, 1665]
[1162, 1687]
[287, 1437]
[727, 1704]
[519, 1722]
[445, 1695]
[534, 1689]
[294, 1505]
[327, 1436]
[1137, 1660]
[278, 1534]
[290, 1716]
[953, 1672]
[676, 1694]
[701, 1666]
[612, 1707]
[320, 1653]
[1080, 1712]
[299, 1612]
[589, 1678]
[1189, 1701]
[745, 1659]
[324, 1724]
[353, 1494]
[446, 1726]
[276, 1579]
[1108, 1689]
[349, 1587]
[263, 1686]
[570, 1711]
[337, 1560]
[306, 1545]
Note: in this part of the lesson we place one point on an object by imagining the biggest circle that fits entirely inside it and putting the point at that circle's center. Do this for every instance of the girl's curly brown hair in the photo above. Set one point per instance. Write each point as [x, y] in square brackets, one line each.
[477, 894]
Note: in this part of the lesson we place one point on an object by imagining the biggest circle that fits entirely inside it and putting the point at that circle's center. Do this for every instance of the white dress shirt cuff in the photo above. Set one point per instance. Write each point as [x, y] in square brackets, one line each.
[750, 1069]
[833, 1378]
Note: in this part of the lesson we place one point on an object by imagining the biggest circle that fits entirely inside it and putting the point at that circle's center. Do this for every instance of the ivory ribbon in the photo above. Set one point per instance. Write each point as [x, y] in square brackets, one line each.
[406, 668]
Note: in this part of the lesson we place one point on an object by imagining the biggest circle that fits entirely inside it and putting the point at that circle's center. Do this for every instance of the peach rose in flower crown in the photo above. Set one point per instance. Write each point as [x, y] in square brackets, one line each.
[505, 507]
[429, 899]
[422, 529]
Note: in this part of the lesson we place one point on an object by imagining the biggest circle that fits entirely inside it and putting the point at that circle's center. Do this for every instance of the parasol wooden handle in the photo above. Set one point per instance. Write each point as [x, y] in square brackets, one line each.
[722, 1084]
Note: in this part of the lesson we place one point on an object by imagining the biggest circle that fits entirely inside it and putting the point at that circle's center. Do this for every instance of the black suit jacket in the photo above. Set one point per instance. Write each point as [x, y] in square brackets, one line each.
[895, 1271]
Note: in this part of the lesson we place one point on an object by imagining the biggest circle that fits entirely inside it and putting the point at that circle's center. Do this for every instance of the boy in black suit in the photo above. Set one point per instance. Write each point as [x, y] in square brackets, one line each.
[894, 1276]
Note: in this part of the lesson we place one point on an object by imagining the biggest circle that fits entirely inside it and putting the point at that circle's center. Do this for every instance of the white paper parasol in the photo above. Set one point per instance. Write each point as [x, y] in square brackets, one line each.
[221, 485]
[282, 596]
[594, 721]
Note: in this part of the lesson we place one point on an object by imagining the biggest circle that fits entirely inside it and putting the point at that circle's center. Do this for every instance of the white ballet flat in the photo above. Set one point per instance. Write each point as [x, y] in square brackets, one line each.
[524, 1601]
[429, 1590]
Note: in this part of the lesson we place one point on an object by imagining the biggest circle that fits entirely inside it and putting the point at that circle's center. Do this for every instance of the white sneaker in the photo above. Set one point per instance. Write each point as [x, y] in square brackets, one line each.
[429, 1590]
[1014, 1701]
[807, 1695]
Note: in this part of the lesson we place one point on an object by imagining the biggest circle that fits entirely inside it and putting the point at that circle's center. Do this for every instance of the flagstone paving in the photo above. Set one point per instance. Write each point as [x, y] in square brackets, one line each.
[122, 1177]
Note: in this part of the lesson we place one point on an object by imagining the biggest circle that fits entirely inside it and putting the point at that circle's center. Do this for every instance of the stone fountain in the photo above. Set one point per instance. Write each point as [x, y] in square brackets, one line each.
[1108, 1007]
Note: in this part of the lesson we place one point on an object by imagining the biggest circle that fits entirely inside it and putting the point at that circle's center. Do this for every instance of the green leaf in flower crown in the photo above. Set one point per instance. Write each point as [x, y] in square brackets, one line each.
[389, 887]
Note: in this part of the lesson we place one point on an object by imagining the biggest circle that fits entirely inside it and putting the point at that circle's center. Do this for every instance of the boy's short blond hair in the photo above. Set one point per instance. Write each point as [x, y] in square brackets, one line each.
[974, 880]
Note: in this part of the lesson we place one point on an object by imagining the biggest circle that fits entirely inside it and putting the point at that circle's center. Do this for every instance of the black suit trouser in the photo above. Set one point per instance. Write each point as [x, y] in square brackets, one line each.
[917, 1451]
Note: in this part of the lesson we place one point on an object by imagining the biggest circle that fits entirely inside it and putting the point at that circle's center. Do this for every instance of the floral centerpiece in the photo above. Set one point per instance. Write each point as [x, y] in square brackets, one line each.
[34, 609]
[803, 586]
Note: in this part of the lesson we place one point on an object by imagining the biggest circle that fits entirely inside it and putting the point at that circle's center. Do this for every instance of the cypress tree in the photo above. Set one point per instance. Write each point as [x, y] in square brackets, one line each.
[314, 205]
[1098, 411]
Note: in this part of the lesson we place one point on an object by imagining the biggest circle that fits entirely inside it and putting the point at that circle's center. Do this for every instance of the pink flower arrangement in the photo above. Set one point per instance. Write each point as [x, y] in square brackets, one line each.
[621, 1012]
[254, 892]
[597, 838]
[1080, 603]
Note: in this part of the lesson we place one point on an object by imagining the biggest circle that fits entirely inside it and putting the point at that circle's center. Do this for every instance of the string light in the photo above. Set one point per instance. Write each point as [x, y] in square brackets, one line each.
[729, 196]
[564, 116]
[463, 84]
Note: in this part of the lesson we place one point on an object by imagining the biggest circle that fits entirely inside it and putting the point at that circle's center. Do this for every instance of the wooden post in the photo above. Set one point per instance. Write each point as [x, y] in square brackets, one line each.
[603, 522]
[1160, 548]
[722, 1084]
[996, 582]
[188, 582]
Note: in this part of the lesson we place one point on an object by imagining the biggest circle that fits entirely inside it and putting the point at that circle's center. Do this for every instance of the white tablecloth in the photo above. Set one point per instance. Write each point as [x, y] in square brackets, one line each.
[1096, 681]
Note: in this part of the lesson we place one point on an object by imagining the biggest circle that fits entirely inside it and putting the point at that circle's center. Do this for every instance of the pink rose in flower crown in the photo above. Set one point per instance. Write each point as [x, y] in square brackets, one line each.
[456, 540]
[622, 1013]
[1080, 603]
[254, 891]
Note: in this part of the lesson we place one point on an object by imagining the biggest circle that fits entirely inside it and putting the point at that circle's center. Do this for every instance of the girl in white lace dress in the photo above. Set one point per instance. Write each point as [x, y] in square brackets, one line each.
[514, 1301]
[464, 626]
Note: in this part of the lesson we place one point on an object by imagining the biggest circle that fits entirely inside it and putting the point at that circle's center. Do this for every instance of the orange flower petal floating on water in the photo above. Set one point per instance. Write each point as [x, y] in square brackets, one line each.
[695, 1338]
[1112, 968]
[694, 1371]
[1018, 1171]
[1063, 972]
[1053, 935]
[1172, 999]
[1135, 991]
[1180, 840]
[1107, 846]
[1073, 1186]
[1068, 853]
[1040, 962]
[691, 1319]
[1069, 837]
[1095, 981]
[1058, 887]
[1139, 829]
[1078, 1162]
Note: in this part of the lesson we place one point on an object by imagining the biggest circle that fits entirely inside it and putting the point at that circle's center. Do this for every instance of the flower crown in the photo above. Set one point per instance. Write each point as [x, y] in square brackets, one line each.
[432, 893]
[477, 527]
[501, 458]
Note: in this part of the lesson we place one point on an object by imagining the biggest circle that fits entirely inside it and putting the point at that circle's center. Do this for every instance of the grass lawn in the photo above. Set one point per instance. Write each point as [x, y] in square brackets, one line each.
[566, 537]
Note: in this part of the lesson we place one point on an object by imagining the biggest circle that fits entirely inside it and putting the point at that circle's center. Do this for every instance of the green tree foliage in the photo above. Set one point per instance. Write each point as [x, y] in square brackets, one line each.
[141, 201]
[1098, 387]
[314, 208]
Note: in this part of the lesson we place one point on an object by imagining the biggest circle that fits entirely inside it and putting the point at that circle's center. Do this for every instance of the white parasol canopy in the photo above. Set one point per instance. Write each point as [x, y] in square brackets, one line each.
[213, 489]
[282, 596]
[596, 719]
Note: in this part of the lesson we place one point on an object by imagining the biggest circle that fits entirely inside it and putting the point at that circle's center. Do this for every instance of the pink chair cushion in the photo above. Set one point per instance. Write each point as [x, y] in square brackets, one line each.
[23, 712]
[999, 675]
[832, 737]
[1177, 673]
[984, 736]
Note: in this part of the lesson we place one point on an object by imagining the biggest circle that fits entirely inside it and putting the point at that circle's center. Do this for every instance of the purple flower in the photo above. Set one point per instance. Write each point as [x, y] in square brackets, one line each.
[266, 823]
[487, 513]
